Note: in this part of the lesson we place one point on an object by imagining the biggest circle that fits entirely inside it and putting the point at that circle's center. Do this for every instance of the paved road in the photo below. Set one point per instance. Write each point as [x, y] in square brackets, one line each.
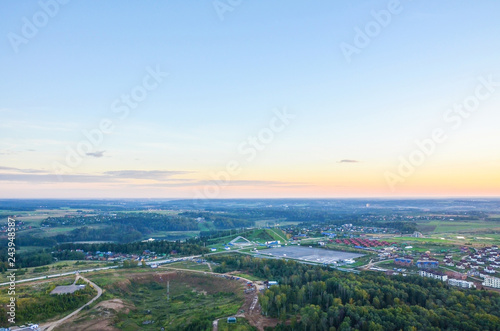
[59, 275]
[50, 326]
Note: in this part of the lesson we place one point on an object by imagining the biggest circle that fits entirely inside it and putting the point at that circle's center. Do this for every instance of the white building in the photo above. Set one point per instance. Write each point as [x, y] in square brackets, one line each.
[461, 283]
[492, 282]
[433, 274]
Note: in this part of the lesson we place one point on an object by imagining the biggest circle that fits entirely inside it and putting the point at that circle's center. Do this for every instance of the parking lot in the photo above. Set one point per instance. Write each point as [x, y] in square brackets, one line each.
[317, 255]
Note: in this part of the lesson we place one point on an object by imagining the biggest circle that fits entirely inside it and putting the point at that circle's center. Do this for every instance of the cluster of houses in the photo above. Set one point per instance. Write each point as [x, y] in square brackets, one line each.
[345, 230]
[111, 256]
[20, 225]
[484, 262]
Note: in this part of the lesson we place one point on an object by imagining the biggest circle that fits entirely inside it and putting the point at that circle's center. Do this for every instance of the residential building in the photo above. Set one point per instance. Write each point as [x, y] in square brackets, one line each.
[492, 282]
[403, 261]
[433, 274]
[428, 264]
[461, 283]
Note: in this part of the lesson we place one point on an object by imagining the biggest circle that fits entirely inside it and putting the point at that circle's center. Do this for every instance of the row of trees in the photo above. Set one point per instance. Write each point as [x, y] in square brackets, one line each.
[190, 247]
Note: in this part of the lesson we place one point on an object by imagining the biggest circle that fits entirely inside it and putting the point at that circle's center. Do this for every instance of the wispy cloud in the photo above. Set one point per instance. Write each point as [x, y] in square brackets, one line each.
[144, 174]
[49, 178]
[96, 154]
[348, 161]
[233, 183]
[24, 171]
[119, 176]
[154, 178]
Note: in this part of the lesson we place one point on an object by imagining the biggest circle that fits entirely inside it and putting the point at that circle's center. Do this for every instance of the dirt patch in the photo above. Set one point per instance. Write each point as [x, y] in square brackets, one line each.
[115, 304]
[254, 316]
[93, 325]
[99, 318]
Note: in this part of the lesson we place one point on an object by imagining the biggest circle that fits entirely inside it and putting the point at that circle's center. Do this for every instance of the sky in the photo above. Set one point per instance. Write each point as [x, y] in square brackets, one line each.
[249, 99]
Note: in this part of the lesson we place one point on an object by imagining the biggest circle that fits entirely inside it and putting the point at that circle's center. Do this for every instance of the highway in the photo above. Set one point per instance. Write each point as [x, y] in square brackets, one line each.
[59, 275]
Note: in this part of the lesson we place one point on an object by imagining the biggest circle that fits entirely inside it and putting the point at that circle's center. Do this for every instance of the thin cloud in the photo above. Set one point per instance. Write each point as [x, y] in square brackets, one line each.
[49, 178]
[121, 176]
[144, 174]
[96, 154]
[348, 161]
[231, 183]
[24, 171]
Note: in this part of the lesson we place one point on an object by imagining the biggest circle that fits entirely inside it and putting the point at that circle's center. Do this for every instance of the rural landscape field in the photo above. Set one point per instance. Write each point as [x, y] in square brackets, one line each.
[249, 165]
[276, 264]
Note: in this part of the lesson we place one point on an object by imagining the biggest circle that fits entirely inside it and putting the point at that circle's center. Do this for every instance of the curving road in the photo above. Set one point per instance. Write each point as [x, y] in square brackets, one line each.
[51, 325]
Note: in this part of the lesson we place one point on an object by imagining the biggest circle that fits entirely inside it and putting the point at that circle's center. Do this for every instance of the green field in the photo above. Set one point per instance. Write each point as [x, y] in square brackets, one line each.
[191, 265]
[420, 240]
[172, 235]
[277, 234]
[458, 226]
[250, 277]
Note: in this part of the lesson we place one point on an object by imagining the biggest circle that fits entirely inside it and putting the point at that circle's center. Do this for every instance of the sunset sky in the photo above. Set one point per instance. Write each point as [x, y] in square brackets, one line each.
[236, 99]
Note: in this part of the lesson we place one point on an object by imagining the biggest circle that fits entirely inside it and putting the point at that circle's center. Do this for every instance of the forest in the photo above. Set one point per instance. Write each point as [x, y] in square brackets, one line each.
[40, 305]
[190, 247]
[318, 298]
[64, 251]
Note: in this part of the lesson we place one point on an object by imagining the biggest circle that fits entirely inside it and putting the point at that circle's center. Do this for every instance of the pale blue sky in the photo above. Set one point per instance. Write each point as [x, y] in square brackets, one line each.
[227, 76]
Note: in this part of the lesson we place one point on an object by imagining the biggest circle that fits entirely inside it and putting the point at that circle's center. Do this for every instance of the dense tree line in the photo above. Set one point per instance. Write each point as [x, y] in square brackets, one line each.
[143, 222]
[25, 259]
[43, 306]
[315, 298]
[110, 233]
[123, 228]
[62, 255]
[191, 247]
[68, 251]
[75, 220]
[29, 240]
[224, 220]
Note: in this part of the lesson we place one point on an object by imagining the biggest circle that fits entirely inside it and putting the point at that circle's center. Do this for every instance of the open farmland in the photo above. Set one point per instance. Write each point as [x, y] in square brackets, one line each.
[438, 226]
